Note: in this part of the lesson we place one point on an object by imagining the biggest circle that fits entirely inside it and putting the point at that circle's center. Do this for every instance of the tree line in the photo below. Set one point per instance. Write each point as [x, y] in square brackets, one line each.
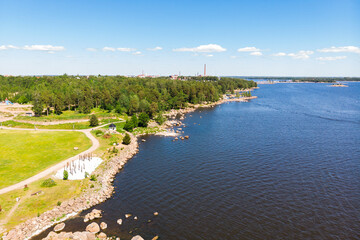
[121, 94]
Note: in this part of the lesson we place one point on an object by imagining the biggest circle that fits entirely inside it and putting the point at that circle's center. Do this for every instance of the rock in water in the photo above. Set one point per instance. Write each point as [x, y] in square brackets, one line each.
[93, 228]
[137, 237]
[103, 225]
[155, 238]
[101, 236]
[156, 213]
[59, 227]
[128, 215]
[119, 221]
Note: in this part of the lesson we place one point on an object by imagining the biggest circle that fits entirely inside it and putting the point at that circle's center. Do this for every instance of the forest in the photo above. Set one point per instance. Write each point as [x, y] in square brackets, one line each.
[114, 93]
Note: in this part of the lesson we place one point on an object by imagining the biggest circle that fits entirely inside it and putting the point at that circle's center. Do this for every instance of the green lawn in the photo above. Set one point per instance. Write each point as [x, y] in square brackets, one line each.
[26, 153]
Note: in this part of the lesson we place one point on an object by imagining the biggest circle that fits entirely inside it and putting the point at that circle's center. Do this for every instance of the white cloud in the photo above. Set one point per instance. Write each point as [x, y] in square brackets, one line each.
[331, 58]
[51, 52]
[109, 49]
[280, 54]
[351, 49]
[137, 53]
[249, 49]
[233, 57]
[209, 55]
[91, 49]
[256, 53]
[3, 47]
[202, 48]
[155, 49]
[43, 48]
[126, 49]
[301, 54]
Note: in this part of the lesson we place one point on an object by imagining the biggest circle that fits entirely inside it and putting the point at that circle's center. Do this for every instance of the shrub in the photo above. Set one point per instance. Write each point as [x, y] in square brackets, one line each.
[93, 121]
[65, 175]
[127, 139]
[143, 119]
[58, 203]
[160, 119]
[48, 183]
[93, 177]
[98, 133]
[91, 186]
[86, 174]
[129, 126]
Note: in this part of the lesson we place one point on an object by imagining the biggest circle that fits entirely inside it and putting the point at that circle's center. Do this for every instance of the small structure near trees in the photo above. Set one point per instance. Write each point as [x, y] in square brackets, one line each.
[112, 127]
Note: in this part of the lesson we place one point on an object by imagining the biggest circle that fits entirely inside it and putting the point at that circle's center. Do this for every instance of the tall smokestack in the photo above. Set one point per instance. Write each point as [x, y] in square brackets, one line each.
[204, 69]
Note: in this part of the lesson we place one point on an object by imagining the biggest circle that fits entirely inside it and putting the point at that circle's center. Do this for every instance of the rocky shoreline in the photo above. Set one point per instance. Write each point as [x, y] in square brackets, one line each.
[86, 200]
[89, 198]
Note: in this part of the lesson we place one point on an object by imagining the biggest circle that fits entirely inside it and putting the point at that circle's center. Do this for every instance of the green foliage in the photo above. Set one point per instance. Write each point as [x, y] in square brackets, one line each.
[86, 174]
[93, 121]
[58, 203]
[93, 177]
[135, 121]
[160, 119]
[127, 139]
[48, 183]
[98, 133]
[143, 119]
[129, 126]
[65, 175]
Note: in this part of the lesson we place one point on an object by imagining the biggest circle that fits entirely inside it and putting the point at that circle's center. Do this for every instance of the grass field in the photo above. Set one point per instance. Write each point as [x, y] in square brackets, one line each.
[26, 153]
[69, 115]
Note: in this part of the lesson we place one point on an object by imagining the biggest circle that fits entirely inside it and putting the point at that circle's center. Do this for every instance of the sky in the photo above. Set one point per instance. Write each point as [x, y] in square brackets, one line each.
[233, 38]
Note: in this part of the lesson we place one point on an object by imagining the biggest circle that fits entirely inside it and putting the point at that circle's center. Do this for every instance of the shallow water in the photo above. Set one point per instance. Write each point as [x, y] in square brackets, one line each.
[283, 166]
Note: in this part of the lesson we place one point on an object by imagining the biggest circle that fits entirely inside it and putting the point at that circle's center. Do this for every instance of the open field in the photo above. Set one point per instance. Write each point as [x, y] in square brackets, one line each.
[26, 153]
[30, 206]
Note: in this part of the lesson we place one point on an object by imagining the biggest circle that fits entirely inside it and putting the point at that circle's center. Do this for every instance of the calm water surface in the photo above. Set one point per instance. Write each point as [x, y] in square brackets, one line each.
[283, 166]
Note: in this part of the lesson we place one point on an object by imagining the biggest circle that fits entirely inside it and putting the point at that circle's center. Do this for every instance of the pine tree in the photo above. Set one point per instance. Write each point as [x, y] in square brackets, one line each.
[127, 139]
[94, 121]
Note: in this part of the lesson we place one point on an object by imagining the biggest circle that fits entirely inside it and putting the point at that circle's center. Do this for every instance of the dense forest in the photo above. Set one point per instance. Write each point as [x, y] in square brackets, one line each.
[118, 93]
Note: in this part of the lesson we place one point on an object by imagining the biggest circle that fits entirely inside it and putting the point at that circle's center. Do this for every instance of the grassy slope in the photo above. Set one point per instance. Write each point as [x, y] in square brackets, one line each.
[26, 153]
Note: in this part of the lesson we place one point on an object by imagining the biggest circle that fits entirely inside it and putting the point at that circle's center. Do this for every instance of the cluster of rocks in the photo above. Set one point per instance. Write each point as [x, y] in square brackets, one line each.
[92, 215]
[92, 232]
[86, 200]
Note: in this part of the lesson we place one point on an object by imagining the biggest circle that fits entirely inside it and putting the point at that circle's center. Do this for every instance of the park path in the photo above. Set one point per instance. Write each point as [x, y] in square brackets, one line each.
[87, 132]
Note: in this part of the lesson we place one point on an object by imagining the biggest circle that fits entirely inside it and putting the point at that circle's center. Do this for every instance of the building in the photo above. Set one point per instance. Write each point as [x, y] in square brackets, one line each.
[112, 127]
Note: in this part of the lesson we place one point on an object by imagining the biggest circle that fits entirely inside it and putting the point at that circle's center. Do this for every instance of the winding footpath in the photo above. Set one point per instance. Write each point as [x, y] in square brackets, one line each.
[87, 132]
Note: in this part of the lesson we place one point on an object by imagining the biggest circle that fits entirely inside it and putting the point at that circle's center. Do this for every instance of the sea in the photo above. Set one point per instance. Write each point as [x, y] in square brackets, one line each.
[283, 166]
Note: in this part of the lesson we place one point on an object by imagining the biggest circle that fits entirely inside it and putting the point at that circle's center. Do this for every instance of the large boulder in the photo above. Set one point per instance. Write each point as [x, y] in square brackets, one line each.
[101, 236]
[103, 225]
[59, 227]
[93, 228]
[137, 237]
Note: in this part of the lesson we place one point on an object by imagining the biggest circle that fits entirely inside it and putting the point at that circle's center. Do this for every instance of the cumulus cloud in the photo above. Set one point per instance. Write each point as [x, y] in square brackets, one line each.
[126, 49]
[351, 49]
[301, 54]
[249, 49]
[109, 49]
[137, 53]
[256, 53]
[43, 48]
[331, 58]
[202, 48]
[91, 49]
[155, 49]
[280, 54]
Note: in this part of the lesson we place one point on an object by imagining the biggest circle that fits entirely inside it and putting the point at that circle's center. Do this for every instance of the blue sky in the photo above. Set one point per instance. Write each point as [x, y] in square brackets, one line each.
[275, 38]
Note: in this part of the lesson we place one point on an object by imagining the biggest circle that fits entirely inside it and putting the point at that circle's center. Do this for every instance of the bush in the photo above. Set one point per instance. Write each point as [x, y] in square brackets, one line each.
[86, 174]
[98, 133]
[48, 183]
[65, 175]
[129, 126]
[93, 177]
[58, 203]
[93, 121]
[127, 139]
[143, 119]
[160, 119]
[92, 186]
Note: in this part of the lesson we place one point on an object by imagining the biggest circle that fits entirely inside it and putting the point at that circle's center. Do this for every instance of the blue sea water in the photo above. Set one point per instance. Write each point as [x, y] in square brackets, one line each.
[283, 166]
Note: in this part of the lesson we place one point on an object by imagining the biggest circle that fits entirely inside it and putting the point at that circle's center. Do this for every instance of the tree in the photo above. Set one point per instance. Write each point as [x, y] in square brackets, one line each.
[160, 119]
[143, 119]
[93, 121]
[134, 120]
[38, 106]
[127, 139]
[65, 175]
[129, 126]
[134, 104]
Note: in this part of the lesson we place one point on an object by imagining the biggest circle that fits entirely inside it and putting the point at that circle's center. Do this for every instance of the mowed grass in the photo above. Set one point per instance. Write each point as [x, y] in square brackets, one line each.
[26, 153]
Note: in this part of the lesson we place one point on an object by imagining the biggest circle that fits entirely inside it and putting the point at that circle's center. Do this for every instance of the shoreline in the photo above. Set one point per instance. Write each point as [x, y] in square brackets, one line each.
[89, 198]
